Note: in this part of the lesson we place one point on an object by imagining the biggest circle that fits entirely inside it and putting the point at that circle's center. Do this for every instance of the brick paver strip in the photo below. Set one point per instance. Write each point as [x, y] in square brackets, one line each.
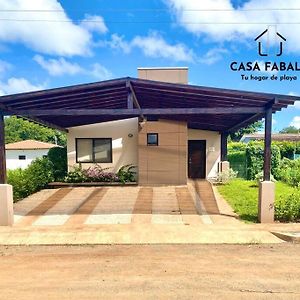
[42, 208]
[185, 201]
[207, 196]
[87, 207]
[143, 204]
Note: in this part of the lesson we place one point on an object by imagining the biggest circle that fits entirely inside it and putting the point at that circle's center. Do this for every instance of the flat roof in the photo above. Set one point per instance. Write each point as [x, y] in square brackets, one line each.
[202, 107]
[275, 136]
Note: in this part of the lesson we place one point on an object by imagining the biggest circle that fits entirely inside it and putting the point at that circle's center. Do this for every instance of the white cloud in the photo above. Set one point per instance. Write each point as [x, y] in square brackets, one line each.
[297, 103]
[94, 23]
[152, 45]
[58, 67]
[63, 38]
[18, 85]
[61, 66]
[213, 55]
[296, 122]
[204, 22]
[4, 66]
[100, 72]
[118, 42]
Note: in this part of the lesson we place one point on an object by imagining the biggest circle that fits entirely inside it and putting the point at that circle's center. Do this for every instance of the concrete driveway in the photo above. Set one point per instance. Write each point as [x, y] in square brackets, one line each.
[191, 204]
[129, 215]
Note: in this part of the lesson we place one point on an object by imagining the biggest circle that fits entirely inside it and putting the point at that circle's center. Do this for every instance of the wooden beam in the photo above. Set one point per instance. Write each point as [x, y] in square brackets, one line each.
[129, 95]
[44, 123]
[267, 148]
[9, 112]
[2, 151]
[94, 97]
[224, 137]
[134, 97]
[137, 112]
[215, 91]
[63, 91]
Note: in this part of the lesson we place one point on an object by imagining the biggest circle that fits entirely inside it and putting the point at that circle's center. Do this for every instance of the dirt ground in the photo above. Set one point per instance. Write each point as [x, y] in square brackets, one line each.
[150, 272]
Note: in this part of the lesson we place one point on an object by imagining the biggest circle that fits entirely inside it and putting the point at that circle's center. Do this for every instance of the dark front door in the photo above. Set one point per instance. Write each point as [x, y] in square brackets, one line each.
[197, 158]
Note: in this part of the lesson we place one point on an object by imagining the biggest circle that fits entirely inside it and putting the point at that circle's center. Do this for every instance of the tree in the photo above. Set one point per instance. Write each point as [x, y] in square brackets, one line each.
[290, 129]
[236, 136]
[17, 129]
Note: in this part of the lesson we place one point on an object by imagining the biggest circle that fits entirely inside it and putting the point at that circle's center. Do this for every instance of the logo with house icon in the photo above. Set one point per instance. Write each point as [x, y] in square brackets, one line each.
[263, 41]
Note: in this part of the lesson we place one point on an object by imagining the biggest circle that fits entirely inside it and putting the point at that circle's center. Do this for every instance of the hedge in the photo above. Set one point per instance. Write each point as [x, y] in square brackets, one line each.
[287, 208]
[32, 179]
[237, 160]
[58, 157]
[255, 157]
[289, 172]
[287, 149]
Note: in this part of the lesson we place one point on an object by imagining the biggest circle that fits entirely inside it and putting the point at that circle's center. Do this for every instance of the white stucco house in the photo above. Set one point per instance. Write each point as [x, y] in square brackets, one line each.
[21, 154]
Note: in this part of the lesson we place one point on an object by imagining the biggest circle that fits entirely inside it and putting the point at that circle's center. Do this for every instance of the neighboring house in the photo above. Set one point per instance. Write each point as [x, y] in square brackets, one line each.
[21, 154]
[289, 137]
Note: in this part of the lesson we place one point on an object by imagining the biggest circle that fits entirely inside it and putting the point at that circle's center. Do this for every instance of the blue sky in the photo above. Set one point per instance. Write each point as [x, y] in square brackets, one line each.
[85, 41]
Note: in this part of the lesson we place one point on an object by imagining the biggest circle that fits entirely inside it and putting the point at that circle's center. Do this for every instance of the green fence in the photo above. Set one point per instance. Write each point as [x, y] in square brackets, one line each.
[238, 163]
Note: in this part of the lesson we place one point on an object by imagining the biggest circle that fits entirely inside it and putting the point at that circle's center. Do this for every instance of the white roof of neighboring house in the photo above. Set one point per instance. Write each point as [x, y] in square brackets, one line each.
[275, 136]
[29, 145]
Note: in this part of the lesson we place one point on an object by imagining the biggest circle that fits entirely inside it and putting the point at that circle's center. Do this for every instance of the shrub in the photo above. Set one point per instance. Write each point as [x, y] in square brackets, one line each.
[236, 146]
[289, 172]
[260, 176]
[255, 157]
[225, 176]
[127, 173]
[98, 174]
[287, 208]
[32, 179]
[77, 175]
[58, 157]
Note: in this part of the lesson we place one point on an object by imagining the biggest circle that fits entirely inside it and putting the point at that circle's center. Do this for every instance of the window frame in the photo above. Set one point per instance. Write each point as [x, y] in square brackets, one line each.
[93, 161]
[152, 133]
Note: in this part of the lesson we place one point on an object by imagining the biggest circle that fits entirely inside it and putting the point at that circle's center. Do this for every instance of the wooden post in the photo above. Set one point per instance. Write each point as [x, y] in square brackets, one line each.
[2, 152]
[224, 137]
[268, 140]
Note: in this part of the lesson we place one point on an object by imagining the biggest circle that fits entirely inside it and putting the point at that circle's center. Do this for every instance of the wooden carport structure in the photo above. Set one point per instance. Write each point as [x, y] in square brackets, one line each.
[205, 108]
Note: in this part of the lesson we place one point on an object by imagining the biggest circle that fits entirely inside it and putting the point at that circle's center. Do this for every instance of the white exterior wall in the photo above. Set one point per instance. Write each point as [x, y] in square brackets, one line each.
[124, 148]
[213, 148]
[12, 157]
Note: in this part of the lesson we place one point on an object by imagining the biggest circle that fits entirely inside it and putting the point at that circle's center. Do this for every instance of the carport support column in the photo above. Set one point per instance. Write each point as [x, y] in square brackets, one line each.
[224, 163]
[267, 187]
[6, 192]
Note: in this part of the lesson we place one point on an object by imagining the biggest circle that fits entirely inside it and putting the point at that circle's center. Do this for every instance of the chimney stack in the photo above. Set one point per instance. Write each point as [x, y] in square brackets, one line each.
[171, 75]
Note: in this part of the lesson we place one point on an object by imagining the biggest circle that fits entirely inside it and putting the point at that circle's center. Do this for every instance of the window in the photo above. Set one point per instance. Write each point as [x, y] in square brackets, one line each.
[22, 157]
[152, 139]
[94, 150]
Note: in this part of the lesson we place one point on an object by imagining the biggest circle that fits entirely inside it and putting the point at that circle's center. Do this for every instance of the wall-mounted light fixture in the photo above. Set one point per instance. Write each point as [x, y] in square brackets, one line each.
[130, 135]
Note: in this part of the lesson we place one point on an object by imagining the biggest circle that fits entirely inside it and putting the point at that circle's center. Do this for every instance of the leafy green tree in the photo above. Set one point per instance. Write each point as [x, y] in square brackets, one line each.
[236, 136]
[290, 129]
[17, 129]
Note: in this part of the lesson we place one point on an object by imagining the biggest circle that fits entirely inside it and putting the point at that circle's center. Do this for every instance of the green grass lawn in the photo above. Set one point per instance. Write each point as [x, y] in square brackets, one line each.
[242, 195]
